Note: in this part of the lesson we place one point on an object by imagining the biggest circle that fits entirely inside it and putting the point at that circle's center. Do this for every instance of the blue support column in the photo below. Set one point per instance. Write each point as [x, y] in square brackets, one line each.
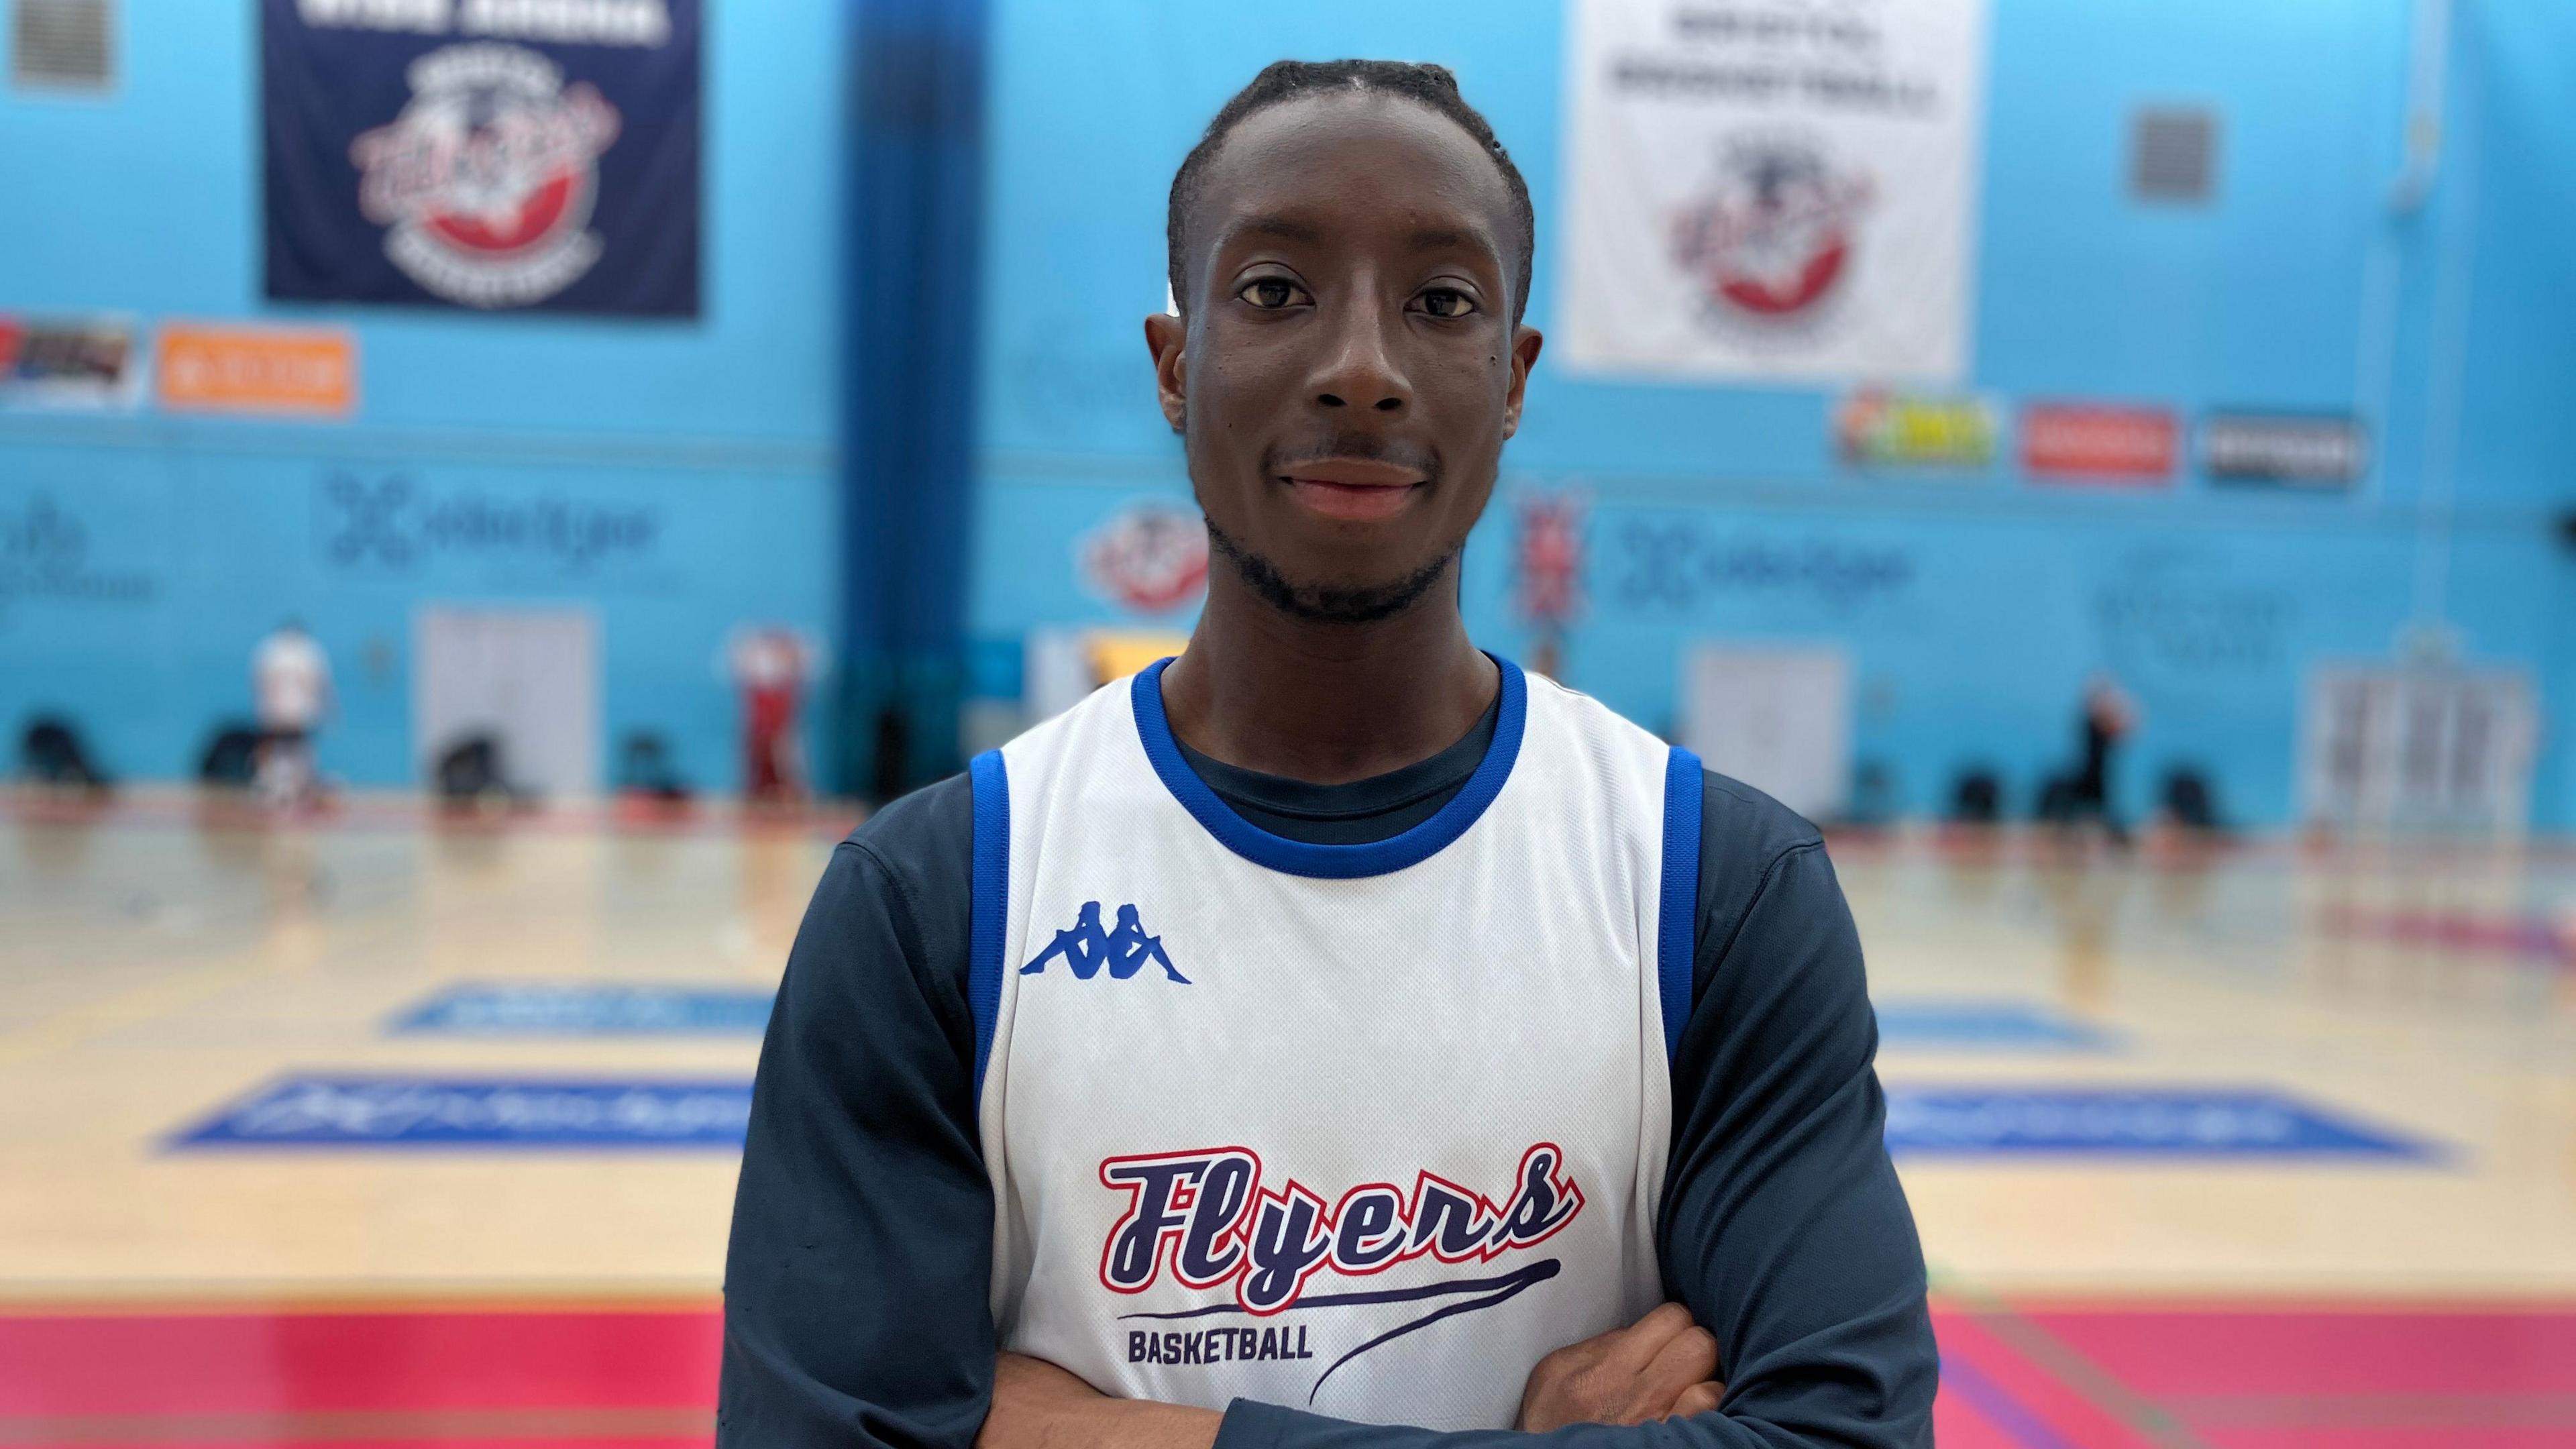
[916, 189]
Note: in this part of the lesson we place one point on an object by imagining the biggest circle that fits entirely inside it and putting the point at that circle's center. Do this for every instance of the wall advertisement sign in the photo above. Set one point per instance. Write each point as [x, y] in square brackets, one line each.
[1775, 191]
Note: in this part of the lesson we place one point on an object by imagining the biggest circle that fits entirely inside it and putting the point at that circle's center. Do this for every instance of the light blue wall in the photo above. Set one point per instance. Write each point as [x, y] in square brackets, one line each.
[703, 453]
[696, 457]
[1974, 612]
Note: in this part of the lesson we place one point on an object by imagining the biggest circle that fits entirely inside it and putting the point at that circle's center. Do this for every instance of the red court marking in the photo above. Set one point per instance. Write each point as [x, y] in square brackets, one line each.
[233, 1363]
[2025, 1404]
[2062, 1376]
[2317, 1351]
[443, 1441]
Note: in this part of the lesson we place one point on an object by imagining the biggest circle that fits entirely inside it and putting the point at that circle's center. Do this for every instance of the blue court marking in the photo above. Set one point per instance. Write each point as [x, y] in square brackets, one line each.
[360, 1112]
[2000, 1025]
[2145, 1122]
[560, 1008]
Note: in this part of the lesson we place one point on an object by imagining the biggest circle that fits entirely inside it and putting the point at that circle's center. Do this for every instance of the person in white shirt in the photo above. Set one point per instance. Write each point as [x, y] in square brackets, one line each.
[291, 683]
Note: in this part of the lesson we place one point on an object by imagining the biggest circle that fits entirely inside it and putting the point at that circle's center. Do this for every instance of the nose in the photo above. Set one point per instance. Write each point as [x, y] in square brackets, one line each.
[1359, 367]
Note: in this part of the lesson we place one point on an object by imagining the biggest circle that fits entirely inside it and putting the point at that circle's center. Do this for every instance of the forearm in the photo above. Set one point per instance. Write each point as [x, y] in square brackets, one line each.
[1268, 1426]
[1039, 1406]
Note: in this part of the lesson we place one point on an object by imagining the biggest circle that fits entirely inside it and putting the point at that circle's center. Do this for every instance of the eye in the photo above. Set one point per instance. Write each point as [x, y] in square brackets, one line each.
[1272, 293]
[1448, 302]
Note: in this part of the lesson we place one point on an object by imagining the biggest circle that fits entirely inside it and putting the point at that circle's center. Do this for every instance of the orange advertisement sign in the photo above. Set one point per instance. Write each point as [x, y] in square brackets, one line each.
[298, 372]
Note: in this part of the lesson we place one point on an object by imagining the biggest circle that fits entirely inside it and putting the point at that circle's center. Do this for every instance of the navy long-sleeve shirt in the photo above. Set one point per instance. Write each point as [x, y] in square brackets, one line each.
[856, 1288]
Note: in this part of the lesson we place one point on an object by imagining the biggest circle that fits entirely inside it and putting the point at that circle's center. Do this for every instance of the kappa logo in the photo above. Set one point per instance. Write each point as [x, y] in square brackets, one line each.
[1125, 949]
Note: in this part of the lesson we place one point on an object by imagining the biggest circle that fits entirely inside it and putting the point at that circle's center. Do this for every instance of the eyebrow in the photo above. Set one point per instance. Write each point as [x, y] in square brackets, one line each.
[1437, 238]
[1274, 226]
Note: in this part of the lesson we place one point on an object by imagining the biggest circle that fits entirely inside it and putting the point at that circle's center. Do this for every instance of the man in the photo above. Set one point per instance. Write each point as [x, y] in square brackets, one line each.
[291, 686]
[1499, 1070]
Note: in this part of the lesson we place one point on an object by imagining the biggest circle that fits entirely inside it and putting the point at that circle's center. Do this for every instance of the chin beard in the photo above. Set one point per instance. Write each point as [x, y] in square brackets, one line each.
[1325, 603]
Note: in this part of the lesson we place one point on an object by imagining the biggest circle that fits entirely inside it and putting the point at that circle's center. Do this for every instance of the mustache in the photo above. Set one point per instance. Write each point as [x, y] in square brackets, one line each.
[1281, 458]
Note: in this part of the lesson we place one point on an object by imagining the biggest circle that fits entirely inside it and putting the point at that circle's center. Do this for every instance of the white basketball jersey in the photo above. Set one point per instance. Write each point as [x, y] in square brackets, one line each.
[1366, 1130]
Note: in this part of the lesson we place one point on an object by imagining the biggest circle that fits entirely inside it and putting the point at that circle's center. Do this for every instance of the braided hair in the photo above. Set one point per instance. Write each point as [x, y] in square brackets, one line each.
[1287, 80]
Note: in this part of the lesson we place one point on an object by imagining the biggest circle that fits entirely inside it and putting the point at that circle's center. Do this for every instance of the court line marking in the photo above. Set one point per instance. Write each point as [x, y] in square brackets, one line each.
[2079, 1373]
[1998, 1406]
[324, 1426]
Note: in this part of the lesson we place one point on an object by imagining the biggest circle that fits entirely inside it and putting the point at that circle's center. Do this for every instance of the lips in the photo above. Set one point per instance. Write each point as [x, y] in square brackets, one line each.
[1358, 490]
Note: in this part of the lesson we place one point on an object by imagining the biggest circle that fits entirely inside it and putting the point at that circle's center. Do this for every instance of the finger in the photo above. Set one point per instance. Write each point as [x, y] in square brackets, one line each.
[1636, 1345]
[1698, 1399]
[1690, 1357]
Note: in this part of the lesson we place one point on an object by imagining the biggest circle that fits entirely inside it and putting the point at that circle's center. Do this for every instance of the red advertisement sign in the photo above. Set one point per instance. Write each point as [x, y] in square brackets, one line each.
[2091, 443]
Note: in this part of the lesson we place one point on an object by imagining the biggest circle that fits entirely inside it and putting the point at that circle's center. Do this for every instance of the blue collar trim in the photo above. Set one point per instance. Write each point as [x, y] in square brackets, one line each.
[1331, 862]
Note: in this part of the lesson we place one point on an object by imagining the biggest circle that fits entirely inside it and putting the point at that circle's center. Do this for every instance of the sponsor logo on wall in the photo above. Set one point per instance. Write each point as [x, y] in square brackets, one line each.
[75, 363]
[1683, 563]
[393, 523]
[2178, 615]
[46, 555]
[2090, 443]
[1150, 556]
[1874, 428]
[292, 372]
[503, 154]
[2324, 453]
[1772, 191]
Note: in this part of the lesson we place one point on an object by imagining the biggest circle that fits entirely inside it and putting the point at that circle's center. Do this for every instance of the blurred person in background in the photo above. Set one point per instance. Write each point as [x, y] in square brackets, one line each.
[2107, 718]
[291, 687]
[770, 665]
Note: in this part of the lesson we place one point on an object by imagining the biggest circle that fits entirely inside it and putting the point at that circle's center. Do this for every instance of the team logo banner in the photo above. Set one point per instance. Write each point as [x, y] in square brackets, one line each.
[509, 155]
[1772, 190]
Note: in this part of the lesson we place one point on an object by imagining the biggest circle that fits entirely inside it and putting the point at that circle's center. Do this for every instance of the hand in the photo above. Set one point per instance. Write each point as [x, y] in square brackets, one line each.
[1663, 1366]
[1039, 1406]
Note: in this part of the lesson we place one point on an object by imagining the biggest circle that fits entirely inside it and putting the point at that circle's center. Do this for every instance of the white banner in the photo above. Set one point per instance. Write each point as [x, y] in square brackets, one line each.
[1781, 190]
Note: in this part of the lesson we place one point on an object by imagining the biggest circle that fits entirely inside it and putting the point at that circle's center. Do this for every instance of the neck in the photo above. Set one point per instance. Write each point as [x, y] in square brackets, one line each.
[1326, 703]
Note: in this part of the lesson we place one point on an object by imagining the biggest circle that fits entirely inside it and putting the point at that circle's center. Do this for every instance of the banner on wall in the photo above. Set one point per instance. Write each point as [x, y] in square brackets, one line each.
[2307, 452]
[76, 363]
[1775, 190]
[1875, 428]
[506, 155]
[307, 372]
[2098, 443]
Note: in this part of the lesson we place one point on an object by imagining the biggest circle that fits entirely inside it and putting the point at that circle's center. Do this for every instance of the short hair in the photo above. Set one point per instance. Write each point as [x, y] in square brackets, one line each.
[1288, 80]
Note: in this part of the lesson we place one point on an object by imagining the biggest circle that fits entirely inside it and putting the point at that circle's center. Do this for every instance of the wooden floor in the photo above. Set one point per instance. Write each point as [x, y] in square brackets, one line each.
[2252, 1148]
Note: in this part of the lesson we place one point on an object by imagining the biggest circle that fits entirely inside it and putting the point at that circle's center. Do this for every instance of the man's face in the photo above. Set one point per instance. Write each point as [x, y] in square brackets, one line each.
[1349, 367]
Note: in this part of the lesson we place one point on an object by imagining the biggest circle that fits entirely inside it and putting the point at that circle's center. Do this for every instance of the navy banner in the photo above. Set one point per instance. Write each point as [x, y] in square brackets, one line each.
[510, 155]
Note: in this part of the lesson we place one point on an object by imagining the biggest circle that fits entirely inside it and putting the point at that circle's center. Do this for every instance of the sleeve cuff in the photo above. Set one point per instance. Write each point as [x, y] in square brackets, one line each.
[1250, 1424]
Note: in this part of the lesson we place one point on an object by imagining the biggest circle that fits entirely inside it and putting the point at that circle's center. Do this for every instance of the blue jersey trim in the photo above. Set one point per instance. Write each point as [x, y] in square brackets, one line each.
[1678, 915]
[1331, 862]
[990, 893]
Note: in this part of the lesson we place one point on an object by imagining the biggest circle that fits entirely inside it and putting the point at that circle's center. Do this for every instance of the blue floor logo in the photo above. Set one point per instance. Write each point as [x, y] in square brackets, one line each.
[1985, 1025]
[353, 1111]
[2134, 1122]
[581, 1009]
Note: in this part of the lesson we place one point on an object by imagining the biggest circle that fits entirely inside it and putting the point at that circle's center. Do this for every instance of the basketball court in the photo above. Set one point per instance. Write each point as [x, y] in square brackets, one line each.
[402, 1129]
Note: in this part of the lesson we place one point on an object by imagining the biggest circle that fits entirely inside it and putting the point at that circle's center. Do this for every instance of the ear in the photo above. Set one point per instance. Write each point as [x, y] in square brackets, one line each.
[1525, 345]
[1167, 337]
